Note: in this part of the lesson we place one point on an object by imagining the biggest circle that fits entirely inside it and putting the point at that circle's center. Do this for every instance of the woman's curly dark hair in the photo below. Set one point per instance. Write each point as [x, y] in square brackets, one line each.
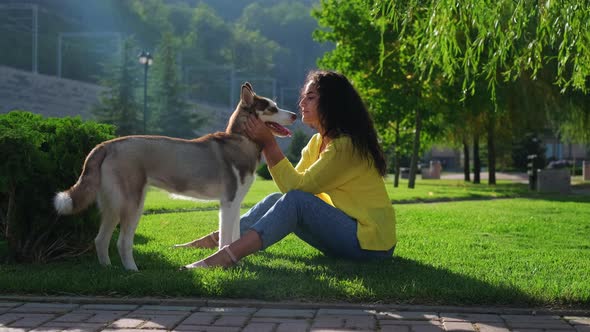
[342, 112]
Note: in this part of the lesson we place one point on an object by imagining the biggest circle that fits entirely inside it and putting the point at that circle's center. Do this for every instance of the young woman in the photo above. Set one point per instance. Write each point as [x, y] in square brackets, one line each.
[335, 198]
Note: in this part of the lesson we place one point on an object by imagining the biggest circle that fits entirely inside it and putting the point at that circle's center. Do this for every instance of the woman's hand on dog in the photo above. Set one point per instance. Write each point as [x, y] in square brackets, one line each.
[259, 132]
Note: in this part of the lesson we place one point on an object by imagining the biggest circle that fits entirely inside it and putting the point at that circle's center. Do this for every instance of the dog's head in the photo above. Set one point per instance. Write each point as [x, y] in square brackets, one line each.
[267, 110]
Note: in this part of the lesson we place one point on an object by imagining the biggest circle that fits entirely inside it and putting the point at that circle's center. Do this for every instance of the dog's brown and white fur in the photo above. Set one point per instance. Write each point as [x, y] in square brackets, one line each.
[217, 166]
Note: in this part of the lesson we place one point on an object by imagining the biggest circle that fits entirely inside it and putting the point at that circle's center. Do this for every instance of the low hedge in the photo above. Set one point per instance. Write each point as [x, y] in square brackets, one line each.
[41, 156]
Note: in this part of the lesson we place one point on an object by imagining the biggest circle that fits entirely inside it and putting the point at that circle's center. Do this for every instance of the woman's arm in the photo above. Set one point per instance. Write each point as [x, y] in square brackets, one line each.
[336, 165]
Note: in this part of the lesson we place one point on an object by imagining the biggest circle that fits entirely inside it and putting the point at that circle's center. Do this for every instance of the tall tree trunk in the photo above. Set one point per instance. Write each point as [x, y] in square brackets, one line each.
[476, 160]
[466, 170]
[396, 156]
[415, 150]
[491, 151]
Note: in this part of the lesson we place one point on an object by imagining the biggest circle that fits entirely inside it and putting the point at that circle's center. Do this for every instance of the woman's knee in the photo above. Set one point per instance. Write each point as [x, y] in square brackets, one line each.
[273, 197]
[297, 196]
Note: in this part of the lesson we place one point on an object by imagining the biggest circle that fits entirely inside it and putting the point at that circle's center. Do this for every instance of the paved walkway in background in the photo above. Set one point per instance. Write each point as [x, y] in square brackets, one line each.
[516, 177]
[142, 315]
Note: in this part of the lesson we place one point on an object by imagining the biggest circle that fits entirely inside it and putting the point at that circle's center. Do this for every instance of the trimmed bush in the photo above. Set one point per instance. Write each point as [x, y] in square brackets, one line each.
[41, 156]
[263, 172]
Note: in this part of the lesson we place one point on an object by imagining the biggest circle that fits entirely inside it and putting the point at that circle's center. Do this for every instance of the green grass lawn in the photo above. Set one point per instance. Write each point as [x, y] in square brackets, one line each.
[527, 251]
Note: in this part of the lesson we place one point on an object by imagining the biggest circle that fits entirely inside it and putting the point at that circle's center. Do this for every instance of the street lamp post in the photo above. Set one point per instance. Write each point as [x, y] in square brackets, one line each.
[145, 58]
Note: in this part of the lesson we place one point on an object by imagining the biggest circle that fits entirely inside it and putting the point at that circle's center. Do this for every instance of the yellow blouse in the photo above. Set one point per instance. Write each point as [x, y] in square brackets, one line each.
[346, 181]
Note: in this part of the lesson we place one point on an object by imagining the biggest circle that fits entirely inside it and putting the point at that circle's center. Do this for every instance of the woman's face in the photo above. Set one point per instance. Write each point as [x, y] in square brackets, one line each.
[309, 106]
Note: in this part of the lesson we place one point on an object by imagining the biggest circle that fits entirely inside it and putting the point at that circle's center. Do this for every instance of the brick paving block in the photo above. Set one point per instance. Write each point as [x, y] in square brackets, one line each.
[12, 329]
[204, 328]
[458, 326]
[387, 314]
[229, 310]
[110, 307]
[6, 319]
[141, 312]
[259, 327]
[395, 328]
[7, 305]
[231, 320]
[492, 327]
[166, 308]
[409, 315]
[548, 325]
[31, 320]
[287, 313]
[577, 320]
[126, 323]
[74, 317]
[71, 327]
[328, 322]
[160, 322]
[360, 323]
[344, 312]
[131, 330]
[199, 318]
[106, 317]
[45, 308]
[292, 327]
[465, 317]
[427, 328]
[387, 322]
[527, 318]
[276, 320]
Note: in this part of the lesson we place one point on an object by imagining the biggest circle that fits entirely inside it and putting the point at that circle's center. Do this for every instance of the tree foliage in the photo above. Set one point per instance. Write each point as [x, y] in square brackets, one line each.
[499, 42]
[118, 105]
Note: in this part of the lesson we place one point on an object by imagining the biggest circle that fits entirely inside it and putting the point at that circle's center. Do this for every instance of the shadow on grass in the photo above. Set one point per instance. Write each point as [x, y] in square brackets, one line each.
[399, 280]
[269, 275]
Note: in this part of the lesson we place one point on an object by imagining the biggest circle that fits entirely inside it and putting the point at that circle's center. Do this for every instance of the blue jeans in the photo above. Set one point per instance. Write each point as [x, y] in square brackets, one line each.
[314, 221]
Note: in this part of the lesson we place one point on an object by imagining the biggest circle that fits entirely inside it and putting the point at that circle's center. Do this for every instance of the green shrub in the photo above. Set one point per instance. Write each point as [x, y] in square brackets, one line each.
[41, 156]
[263, 172]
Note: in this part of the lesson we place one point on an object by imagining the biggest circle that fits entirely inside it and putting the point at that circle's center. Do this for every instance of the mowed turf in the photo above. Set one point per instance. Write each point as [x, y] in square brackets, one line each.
[528, 251]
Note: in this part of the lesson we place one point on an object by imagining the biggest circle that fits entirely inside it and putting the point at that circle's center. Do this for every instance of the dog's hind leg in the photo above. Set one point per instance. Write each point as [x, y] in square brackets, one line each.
[108, 222]
[130, 215]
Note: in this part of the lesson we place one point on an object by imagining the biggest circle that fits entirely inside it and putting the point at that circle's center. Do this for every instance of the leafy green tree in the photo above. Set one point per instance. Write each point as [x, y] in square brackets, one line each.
[298, 142]
[172, 115]
[290, 25]
[497, 42]
[398, 98]
[118, 105]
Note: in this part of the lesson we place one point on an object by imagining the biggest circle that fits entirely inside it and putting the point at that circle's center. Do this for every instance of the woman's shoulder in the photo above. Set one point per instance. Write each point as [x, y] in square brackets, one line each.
[342, 141]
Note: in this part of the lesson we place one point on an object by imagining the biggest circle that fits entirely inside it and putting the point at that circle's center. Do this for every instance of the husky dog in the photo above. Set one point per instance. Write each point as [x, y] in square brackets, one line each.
[217, 166]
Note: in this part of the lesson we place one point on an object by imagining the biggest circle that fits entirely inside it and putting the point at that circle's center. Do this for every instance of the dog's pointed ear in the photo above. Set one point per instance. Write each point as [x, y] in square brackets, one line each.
[247, 95]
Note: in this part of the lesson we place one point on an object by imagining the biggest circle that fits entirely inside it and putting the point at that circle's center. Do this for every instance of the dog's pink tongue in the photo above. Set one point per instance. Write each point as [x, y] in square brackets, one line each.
[278, 129]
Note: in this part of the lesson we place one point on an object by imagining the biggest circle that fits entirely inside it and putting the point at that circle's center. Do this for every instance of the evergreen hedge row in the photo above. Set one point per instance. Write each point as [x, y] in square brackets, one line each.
[39, 157]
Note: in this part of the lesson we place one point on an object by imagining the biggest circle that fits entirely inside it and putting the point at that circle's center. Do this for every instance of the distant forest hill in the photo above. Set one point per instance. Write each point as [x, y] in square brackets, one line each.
[268, 40]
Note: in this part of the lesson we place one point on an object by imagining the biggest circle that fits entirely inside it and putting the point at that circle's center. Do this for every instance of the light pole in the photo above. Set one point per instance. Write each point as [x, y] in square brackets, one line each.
[145, 58]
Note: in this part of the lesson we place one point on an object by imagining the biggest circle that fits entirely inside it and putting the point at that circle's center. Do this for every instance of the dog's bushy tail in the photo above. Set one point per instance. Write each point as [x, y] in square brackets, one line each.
[83, 193]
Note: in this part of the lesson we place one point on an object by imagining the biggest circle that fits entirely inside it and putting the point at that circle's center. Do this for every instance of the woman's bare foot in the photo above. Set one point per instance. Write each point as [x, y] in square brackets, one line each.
[223, 258]
[207, 241]
[226, 257]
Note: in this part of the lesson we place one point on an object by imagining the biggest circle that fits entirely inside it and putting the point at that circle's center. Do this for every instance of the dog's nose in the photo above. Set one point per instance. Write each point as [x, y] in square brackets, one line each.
[293, 117]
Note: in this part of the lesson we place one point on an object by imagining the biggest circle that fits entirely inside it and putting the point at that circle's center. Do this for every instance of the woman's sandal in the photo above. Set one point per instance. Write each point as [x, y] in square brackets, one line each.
[202, 265]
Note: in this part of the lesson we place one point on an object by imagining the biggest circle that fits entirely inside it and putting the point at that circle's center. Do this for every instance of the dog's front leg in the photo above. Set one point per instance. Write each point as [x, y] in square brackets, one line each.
[229, 222]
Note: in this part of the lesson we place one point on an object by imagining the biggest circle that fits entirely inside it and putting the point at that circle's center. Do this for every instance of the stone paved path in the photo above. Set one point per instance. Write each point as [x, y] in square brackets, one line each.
[141, 315]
